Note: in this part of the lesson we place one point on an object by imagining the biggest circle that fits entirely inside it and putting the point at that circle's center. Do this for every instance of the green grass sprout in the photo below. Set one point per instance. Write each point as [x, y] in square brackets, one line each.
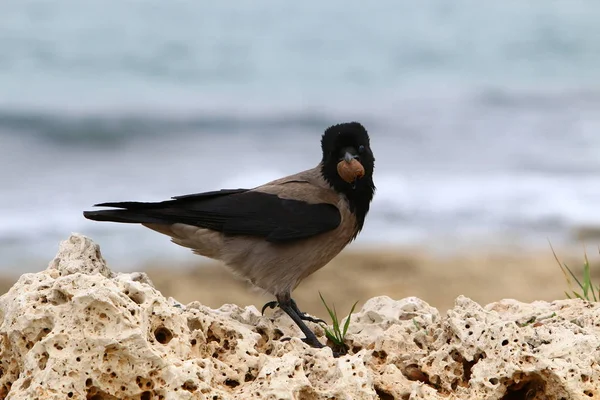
[587, 290]
[337, 335]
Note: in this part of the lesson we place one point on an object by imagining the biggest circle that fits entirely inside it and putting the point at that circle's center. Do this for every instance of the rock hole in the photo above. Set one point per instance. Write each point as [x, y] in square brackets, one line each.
[277, 334]
[454, 385]
[194, 324]
[232, 383]
[193, 342]
[304, 394]
[146, 395]
[382, 355]
[58, 297]
[43, 360]
[44, 332]
[588, 393]
[189, 385]
[494, 381]
[468, 366]
[418, 343]
[88, 382]
[136, 297]
[210, 336]
[414, 373]
[263, 334]
[144, 383]
[383, 395]
[163, 335]
[70, 394]
[248, 377]
[504, 342]
[528, 387]
[26, 384]
[95, 393]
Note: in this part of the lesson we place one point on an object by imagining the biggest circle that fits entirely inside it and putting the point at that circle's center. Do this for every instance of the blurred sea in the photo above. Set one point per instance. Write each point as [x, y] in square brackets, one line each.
[484, 116]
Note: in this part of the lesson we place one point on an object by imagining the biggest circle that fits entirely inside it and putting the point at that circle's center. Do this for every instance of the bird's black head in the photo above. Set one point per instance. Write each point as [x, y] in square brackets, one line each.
[348, 165]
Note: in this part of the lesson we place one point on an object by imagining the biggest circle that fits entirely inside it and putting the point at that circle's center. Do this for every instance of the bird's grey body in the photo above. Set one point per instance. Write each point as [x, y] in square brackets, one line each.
[277, 268]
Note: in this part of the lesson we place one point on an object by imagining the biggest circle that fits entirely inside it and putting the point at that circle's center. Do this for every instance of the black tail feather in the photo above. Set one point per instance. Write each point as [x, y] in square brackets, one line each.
[132, 205]
[123, 216]
[182, 209]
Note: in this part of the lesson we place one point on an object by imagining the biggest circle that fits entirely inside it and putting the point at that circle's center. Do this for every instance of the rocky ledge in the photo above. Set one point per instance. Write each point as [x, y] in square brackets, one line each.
[78, 330]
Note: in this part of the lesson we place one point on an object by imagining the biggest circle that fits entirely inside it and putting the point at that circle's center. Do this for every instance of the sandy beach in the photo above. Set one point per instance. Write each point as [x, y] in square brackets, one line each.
[357, 275]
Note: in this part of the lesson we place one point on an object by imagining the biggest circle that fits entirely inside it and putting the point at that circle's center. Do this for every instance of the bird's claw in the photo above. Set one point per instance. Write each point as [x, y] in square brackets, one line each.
[270, 304]
[308, 318]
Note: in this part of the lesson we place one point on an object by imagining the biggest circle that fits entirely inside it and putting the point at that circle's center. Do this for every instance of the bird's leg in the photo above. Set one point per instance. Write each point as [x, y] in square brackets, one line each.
[285, 303]
[305, 317]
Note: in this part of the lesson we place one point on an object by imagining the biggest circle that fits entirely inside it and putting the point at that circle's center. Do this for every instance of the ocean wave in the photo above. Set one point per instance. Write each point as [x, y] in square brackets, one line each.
[62, 127]
[405, 209]
[114, 129]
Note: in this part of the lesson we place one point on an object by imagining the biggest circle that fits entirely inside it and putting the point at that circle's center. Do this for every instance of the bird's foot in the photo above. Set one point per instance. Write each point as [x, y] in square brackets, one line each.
[301, 315]
[313, 342]
[305, 317]
[290, 308]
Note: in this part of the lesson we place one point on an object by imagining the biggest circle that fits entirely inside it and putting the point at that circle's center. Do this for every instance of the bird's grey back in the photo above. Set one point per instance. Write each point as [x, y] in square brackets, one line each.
[275, 267]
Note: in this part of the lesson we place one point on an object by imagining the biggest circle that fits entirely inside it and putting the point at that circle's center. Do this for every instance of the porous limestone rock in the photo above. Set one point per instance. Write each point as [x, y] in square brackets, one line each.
[80, 331]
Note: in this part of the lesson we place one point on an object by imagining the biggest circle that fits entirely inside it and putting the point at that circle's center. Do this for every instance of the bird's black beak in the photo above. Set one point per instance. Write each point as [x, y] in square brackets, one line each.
[349, 154]
[348, 157]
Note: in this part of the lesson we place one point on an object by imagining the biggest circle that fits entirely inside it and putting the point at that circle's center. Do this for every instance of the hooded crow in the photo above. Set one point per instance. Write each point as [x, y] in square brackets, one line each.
[276, 234]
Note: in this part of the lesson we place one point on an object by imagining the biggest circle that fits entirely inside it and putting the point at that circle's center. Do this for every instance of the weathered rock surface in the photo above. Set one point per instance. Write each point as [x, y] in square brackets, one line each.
[80, 331]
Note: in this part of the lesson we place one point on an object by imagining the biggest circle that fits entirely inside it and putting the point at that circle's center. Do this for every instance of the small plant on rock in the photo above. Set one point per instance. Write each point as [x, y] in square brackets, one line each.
[587, 290]
[338, 334]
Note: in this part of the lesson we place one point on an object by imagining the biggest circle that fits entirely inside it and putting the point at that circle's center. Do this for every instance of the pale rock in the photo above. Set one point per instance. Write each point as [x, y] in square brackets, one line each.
[80, 331]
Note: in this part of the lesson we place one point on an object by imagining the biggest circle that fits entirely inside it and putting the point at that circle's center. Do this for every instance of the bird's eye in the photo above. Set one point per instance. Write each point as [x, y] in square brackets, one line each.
[361, 149]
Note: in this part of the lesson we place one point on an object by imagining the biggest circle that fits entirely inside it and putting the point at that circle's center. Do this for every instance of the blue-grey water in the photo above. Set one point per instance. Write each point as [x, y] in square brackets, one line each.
[484, 116]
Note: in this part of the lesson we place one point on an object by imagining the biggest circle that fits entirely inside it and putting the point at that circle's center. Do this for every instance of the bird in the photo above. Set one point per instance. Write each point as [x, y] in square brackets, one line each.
[276, 234]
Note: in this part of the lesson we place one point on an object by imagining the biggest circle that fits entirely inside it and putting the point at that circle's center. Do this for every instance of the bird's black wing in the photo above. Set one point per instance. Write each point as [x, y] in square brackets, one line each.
[233, 212]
